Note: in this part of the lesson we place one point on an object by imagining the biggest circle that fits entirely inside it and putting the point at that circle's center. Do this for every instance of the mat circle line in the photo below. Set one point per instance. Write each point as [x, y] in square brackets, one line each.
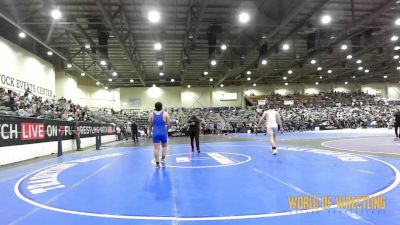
[212, 218]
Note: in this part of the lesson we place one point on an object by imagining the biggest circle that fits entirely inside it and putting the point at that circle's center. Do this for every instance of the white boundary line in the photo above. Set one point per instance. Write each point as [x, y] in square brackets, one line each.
[202, 167]
[325, 144]
[212, 218]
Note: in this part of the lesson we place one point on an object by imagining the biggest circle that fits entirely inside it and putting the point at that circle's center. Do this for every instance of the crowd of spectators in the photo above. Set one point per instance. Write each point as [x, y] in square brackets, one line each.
[29, 105]
[306, 112]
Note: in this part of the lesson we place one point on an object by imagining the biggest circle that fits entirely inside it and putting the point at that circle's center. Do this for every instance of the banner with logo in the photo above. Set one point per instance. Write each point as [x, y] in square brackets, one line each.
[228, 96]
[262, 102]
[288, 102]
[20, 130]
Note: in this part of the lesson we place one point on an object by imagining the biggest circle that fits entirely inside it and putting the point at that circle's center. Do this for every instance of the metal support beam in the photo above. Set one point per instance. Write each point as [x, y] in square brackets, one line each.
[132, 42]
[349, 31]
[109, 23]
[284, 22]
[186, 49]
[93, 58]
[38, 40]
[92, 43]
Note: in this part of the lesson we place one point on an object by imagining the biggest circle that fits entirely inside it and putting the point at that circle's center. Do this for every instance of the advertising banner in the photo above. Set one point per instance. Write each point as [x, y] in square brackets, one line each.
[21, 130]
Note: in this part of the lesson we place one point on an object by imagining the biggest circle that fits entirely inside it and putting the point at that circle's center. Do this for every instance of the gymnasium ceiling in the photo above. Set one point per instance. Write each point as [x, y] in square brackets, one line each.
[186, 30]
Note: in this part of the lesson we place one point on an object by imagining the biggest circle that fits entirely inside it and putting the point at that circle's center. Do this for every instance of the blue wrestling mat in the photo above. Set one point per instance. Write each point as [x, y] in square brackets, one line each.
[227, 183]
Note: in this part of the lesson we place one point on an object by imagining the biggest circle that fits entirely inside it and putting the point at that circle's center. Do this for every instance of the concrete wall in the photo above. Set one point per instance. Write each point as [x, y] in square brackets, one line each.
[393, 91]
[216, 97]
[196, 97]
[82, 93]
[170, 96]
[210, 97]
[19, 67]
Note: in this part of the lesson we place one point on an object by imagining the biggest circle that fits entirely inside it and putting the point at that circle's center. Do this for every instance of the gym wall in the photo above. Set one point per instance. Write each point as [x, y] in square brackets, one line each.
[81, 92]
[20, 69]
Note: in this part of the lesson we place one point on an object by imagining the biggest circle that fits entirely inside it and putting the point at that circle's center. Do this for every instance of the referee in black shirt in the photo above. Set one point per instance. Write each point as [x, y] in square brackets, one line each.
[397, 122]
[194, 130]
[134, 128]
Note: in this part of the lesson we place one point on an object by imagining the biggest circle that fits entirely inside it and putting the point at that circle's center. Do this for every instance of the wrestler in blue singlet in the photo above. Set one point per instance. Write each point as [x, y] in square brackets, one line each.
[159, 130]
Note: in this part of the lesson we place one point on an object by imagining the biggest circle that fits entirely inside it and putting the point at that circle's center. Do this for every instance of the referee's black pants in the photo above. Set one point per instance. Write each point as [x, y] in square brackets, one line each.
[135, 137]
[194, 135]
[396, 128]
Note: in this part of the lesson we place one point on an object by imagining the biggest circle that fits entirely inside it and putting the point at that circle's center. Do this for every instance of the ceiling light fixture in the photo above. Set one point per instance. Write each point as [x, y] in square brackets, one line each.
[285, 47]
[244, 17]
[157, 46]
[22, 35]
[56, 14]
[397, 22]
[153, 16]
[326, 19]
[264, 62]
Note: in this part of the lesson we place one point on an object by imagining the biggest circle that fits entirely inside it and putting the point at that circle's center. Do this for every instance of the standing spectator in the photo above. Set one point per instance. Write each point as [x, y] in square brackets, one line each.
[77, 135]
[397, 122]
[134, 128]
[118, 132]
[220, 127]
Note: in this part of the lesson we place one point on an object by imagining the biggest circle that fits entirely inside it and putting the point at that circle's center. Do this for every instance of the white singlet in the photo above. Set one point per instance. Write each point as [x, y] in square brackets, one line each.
[270, 119]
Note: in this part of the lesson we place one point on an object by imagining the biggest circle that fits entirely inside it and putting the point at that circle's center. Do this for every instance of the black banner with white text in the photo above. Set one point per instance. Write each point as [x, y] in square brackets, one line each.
[21, 130]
